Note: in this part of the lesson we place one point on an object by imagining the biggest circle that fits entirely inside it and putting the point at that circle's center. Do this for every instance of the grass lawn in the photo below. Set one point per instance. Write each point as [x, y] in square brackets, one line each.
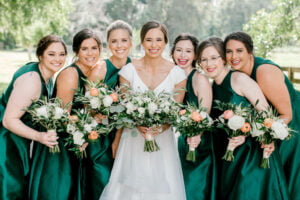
[11, 60]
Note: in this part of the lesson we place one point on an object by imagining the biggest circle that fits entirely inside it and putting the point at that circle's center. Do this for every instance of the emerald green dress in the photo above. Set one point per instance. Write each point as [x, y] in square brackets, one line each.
[243, 179]
[289, 150]
[57, 175]
[14, 150]
[100, 161]
[200, 176]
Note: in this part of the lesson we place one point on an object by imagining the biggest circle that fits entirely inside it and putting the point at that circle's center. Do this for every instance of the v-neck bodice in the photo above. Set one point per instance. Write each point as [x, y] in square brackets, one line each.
[175, 76]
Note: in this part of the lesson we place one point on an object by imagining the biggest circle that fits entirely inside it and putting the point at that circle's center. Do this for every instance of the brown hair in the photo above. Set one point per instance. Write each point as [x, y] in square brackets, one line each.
[154, 24]
[46, 41]
[215, 42]
[242, 37]
[83, 35]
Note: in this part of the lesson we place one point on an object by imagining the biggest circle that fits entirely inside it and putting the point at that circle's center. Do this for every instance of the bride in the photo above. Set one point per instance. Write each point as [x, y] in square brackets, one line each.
[139, 175]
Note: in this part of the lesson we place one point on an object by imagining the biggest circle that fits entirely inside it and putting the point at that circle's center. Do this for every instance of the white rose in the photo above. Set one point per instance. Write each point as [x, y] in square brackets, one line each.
[94, 123]
[42, 112]
[58, 113]
[107, 101]
[95, 102]
[71, 128]
[141, 110]
[203, 114]
[236, 122]
[78, 138]
[152, 107]
[280, 130]
[130, 107]
[255, 132]
[88, 127]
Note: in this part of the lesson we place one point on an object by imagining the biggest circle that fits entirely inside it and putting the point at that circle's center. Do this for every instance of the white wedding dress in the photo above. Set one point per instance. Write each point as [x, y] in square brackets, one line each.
[139, 175]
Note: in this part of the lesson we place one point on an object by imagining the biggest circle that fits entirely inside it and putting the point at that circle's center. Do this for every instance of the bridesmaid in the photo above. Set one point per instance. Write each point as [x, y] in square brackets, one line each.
[241, 178]
[100, 161]
[199, 177]
[280, 93]
[30, 82]
[61, 176]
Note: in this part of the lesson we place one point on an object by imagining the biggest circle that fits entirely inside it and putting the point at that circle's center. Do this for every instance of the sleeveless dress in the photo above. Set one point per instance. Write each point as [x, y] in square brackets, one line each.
[243, 179]
[200, 176]
[100, 161]
[14, 150]
[139, 175]
[289, 150]
[56, 175]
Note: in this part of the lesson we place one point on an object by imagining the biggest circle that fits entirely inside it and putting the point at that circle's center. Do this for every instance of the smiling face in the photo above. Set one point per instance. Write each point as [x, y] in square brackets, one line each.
[119, 43]
[154, 42]
[54, 57]
[89, 52]
[211, 62]
[184, 54]
[237, 55]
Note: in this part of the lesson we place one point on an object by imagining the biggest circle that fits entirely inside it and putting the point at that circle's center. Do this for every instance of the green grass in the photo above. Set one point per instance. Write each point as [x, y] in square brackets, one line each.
[3, 87]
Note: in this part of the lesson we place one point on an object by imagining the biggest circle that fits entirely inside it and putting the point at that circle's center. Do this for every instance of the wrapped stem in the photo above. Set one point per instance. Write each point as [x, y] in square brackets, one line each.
[56, 148]
[150, 144]
[191, 155]
[265, 160]
[228, 156]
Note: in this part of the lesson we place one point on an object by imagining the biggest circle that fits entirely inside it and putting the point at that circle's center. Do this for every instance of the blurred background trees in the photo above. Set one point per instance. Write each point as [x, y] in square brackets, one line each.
[271, 23]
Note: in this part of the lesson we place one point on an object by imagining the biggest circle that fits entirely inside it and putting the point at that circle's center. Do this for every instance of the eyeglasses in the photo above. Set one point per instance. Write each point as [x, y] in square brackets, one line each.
[213, 60]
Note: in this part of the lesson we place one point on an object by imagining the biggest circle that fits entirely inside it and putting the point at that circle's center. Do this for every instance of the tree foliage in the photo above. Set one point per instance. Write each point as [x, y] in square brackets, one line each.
[271, 29]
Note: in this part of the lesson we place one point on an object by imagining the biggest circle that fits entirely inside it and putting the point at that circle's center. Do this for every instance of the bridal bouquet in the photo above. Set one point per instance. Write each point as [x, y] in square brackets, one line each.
[49, 114]
[235, 120]
[267, 128]
[83, 129]
[149, 110]
[191, 121]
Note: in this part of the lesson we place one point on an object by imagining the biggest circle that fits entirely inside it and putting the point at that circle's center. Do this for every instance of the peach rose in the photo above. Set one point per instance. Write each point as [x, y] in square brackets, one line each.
[228, 114]
[182, 112]
[114, 97]
[268, 122]
[196, 116]
[94, 92]
[246, 127]
[93, 135]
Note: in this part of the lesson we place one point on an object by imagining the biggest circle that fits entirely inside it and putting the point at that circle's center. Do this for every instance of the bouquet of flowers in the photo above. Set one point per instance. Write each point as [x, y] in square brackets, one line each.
[100, 101]
[236, 121]
[150, 110]
[50, 115]
[191, 121]
[267, 128]
[83, 128]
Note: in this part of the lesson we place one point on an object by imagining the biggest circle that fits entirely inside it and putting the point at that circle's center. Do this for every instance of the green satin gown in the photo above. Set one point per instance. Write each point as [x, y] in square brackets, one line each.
[99, 163]
[243, 179]
[289, 150]
[200, 176]
[57, 176]
[14, 150]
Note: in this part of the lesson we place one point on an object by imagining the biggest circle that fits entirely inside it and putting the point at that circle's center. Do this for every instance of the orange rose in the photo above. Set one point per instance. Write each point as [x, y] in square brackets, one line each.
[246, 127]
[73, 118]
[268, 122]
[196, 116]
[93, 135]
[94, 92]
[182, 112]
[114, 97]
[228, 114]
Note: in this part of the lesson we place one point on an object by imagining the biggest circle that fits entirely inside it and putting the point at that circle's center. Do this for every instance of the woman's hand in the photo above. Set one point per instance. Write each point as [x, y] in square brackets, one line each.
[150, 131]
[237, 141]
[268, 149]
[194, 141]
[48, 138]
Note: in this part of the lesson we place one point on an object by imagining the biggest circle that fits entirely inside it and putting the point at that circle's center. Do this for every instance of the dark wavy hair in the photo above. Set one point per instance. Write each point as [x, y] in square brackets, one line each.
[83, 35]
[46, 41]
[154, 24]
[242, 37]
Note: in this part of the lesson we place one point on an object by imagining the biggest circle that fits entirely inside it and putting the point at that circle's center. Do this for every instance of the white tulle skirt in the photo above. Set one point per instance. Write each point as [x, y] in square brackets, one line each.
[139, 175]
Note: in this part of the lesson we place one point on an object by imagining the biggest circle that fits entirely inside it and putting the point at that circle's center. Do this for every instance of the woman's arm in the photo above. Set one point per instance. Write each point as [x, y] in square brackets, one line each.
[203, 90]
[27, 88]
[180, 91]
[271, 81]
[66, 85]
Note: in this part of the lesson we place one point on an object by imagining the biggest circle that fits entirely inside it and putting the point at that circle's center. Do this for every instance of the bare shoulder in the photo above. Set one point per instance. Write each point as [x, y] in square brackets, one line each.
[68, 75]
[239, 77]
[269, 72]
[29, 78]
